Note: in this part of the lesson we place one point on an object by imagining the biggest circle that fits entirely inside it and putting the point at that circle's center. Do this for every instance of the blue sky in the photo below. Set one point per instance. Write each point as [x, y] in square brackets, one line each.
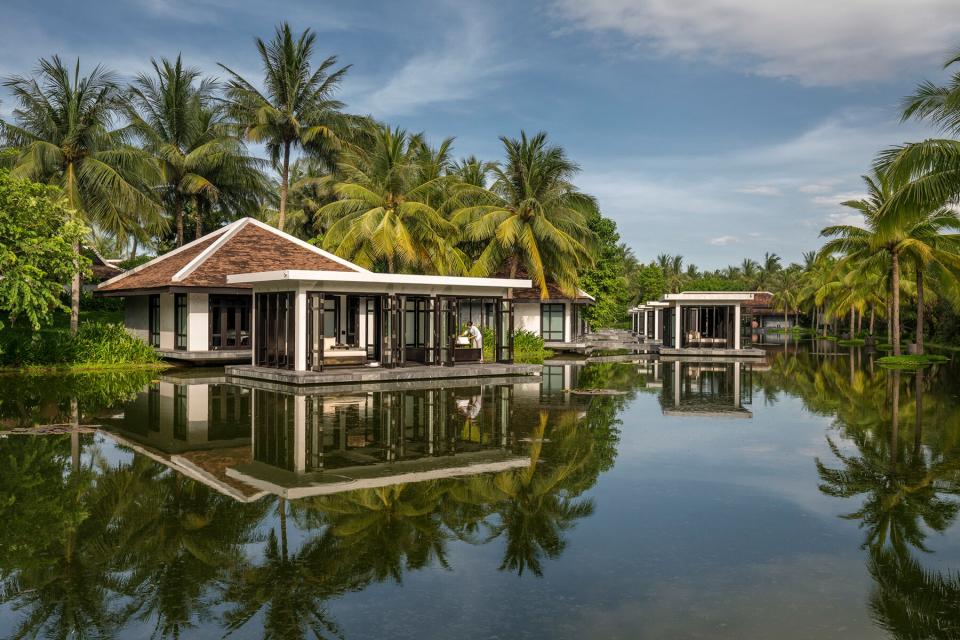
[716, 129]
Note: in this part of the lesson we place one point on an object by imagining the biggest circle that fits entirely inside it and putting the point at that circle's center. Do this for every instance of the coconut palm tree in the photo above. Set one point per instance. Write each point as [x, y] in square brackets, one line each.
[311, 188]
[532, 219]
[63, 128]
[672, 267]
[297, 107]
[386, 211]
[177, 119]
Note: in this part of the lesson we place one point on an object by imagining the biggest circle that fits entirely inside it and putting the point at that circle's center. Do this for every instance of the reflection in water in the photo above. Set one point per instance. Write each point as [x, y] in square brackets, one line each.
[197, 541]
[202, 508]
[712, 389]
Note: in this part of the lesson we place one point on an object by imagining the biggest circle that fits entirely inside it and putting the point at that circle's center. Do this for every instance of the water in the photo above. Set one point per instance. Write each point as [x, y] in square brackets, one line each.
[811, 496]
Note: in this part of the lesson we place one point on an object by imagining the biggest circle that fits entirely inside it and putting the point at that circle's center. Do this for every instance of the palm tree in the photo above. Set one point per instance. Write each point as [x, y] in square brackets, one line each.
[311, 188]
[386, 209]
[186, 130]
[297, 108]
[672, 267]
[62, 127]
[532, 219]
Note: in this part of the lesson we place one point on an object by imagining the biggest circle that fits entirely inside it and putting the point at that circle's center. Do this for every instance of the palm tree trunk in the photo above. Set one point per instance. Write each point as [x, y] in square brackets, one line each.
[198, 221]
[873, 315]
[75, 280]
[853, 320]
[75, 435]
[284, 184]
[918, 426]
[895, 310]
[283, 526]
[133, 248]
[919, 310]
[178, 213]
[895, 419]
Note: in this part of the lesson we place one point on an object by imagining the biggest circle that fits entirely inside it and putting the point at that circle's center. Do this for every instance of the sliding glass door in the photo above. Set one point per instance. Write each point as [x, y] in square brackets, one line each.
[275, 338]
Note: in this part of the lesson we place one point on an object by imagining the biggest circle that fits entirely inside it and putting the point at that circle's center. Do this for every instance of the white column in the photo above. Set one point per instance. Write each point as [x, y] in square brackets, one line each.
[736, 326]
[644, 323]
[656, 323]
[300, 328]
[198, 322]
[736, 385]
[677, 341]
[299, 433]
[166, 320]
[676, 384]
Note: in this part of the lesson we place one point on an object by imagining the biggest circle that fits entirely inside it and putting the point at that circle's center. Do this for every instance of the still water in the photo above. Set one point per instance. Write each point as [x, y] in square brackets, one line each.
[810, 496]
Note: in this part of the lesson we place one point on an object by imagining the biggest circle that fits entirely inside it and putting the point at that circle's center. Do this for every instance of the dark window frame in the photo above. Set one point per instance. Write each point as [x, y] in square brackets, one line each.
[181, 320]
[153, 320]
[550, 308]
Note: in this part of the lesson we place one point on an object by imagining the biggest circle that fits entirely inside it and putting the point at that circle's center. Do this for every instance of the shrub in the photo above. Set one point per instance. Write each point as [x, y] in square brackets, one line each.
[95, 344]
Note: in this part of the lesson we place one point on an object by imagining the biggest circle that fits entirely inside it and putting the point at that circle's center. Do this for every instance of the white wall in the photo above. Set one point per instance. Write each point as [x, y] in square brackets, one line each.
[166, 321]
[136, 316]
[526, 315]
[198, 328]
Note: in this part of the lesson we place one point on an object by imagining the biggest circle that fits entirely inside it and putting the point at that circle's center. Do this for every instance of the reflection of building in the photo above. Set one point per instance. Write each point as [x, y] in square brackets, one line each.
[307, 445]
[198, 428]
[713, 389]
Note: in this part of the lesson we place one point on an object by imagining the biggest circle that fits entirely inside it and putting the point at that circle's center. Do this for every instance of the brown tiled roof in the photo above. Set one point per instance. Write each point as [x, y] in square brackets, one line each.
[253, 249]
[249, 249]
[533, 293]
[159, 272]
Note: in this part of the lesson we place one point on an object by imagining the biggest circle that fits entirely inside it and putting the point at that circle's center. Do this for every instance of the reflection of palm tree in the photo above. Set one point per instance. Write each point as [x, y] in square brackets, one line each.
[903, 493]
[536, 507]
[180, 537]
[291, 589]
[912, 602]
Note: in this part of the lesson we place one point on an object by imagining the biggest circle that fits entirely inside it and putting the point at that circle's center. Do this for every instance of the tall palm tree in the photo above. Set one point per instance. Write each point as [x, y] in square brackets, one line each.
[532, 219]
[672, 267]
[386, 209]
[176, 117]
[297, 108]
[63, 128]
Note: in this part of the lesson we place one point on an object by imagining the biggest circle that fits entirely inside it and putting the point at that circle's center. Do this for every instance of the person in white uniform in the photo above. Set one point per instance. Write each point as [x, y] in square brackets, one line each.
[475, 337]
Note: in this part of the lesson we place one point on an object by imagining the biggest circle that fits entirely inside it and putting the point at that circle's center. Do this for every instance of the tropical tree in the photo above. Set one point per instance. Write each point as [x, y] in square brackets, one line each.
[532, 219]
[672, 268]
[296, 109]
[386, 207]
[175, 115]
[62, 126]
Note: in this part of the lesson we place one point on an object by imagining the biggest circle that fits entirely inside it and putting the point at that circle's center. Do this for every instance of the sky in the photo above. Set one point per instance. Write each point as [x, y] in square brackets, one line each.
[714, 129]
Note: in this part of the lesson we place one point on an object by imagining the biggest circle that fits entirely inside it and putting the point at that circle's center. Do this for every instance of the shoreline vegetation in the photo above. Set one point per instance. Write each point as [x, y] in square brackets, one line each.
[168, 157]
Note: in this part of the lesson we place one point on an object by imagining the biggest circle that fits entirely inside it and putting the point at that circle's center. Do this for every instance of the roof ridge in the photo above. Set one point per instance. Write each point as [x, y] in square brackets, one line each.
[168, 254]
[202, 257]
[306, 245]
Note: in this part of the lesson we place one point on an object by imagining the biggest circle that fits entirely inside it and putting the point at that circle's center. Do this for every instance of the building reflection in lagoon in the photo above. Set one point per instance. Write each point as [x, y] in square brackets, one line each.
[710, 389]
[247, 442]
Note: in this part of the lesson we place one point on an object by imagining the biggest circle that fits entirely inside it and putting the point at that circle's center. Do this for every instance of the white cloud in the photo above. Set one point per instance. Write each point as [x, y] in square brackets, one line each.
[818, 42]
[463, 66]
[759, 190]
[722, 241]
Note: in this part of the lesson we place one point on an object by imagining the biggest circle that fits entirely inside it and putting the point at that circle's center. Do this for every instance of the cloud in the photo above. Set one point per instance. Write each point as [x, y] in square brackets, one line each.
[722, 241]
[817, 42]
[672, 203]
[461, 68]
[759, 190]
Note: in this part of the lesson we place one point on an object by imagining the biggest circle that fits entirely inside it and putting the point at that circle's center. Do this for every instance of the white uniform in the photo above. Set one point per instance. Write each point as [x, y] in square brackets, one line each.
[476, 336]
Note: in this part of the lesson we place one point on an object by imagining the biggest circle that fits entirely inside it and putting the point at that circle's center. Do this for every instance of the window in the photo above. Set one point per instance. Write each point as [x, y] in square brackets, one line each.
[180, 321]
[180, 421]
[229, 322]
[274, 335]
[154, 321]
[551, 322]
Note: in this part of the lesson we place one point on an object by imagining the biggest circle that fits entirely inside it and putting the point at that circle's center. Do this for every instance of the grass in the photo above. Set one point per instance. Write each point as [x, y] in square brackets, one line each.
[911, 361]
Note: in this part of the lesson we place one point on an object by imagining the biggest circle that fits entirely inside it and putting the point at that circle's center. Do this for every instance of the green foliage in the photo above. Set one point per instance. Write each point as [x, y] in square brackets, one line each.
[715, 283]
[36, 250]
[528, 348]
[855, 342]
[95, 344]
[650, 283]
[607, 279]
[130, 263]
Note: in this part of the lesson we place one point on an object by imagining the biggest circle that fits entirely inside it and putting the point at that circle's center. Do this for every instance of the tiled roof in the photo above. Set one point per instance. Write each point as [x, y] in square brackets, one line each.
[533, 293]
[245, 246]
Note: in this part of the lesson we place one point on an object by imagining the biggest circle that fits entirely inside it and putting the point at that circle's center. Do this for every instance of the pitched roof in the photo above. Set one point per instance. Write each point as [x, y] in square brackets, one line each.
[532, 294]
[246, 245]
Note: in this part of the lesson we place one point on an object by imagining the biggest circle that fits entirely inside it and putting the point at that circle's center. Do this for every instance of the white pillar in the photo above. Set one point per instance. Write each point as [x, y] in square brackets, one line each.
[644, 323]
[300, 329]
[736, 326]
[676, 384]
[677, 342]
[656, 323]
[299, 434]
[736, 385]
